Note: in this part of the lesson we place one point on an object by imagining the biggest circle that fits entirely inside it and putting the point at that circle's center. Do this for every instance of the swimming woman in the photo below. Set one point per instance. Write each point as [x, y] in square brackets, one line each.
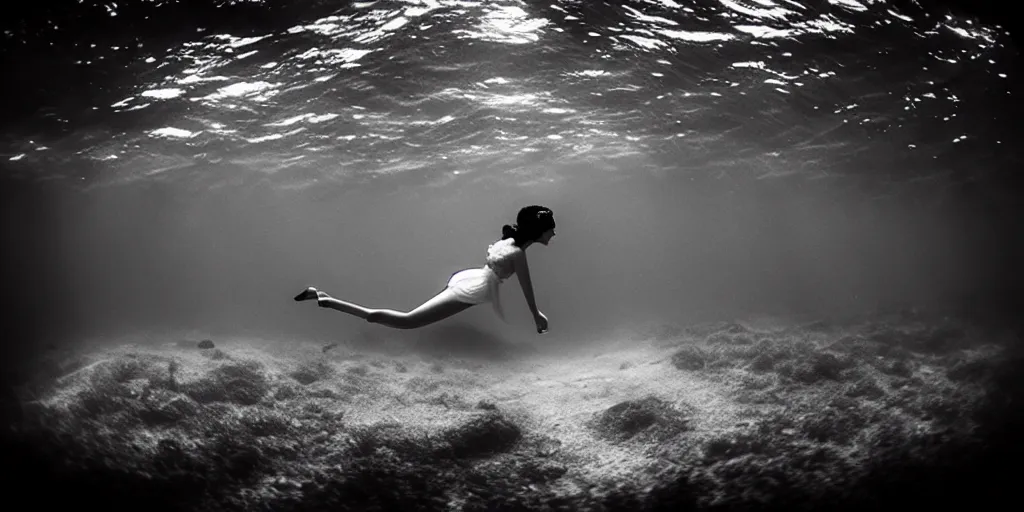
[534, 224]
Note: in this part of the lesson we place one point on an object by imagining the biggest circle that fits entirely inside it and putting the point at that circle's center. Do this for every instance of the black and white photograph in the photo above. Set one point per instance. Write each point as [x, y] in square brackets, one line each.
[511, 255]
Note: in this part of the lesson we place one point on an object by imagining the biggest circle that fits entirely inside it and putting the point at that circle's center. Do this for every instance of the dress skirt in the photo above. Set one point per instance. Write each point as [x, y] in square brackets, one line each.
[477, 286]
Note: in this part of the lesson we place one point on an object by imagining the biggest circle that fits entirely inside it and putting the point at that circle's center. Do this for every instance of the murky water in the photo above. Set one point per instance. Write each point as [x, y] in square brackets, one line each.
[771, 147]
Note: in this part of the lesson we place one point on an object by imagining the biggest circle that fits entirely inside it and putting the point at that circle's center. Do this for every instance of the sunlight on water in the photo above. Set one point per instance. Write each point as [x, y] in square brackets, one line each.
[173, 132]
[506, 24]
[853, 5]
[309, 118]
[375, 86]
[769, 9]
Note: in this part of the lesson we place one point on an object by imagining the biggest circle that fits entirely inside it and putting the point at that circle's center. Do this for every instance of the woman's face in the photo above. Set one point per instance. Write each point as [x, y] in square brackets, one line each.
[546, 236]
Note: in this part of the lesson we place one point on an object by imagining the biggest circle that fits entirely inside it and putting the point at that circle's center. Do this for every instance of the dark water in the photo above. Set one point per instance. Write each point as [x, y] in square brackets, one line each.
[194, 164]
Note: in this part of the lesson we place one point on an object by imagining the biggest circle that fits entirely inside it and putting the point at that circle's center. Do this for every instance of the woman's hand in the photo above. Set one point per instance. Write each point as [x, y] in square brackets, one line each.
[542, 322]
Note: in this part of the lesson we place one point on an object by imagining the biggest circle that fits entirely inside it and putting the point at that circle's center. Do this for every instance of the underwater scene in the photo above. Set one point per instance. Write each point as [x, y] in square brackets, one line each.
[471, 255]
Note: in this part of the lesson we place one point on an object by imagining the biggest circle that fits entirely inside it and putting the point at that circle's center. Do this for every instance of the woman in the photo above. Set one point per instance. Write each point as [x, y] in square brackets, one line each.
[534, 224]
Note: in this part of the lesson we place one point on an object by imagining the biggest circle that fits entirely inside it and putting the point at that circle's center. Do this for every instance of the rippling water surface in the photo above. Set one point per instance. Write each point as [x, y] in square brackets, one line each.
[460, 91]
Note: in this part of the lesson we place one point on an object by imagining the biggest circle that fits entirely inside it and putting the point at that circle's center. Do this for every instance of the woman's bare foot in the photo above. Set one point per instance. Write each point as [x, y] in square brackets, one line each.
[308, 294]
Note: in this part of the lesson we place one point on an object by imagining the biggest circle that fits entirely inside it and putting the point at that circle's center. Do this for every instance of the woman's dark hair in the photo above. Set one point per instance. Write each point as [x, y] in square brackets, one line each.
[531, 222]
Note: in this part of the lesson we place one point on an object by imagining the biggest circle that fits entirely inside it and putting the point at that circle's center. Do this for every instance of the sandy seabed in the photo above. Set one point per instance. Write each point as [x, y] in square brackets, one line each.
[884, 412]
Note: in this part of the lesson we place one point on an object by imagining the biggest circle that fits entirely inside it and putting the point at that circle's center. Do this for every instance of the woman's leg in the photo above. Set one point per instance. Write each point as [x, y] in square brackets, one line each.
[441, 306]
[326, 301]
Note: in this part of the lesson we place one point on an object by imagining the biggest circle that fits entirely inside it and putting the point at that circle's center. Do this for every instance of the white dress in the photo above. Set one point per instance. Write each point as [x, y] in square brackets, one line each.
[479, 285]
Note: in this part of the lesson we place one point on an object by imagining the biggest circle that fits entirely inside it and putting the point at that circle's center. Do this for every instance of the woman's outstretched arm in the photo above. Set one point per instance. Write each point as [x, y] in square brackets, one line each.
[526, 283]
